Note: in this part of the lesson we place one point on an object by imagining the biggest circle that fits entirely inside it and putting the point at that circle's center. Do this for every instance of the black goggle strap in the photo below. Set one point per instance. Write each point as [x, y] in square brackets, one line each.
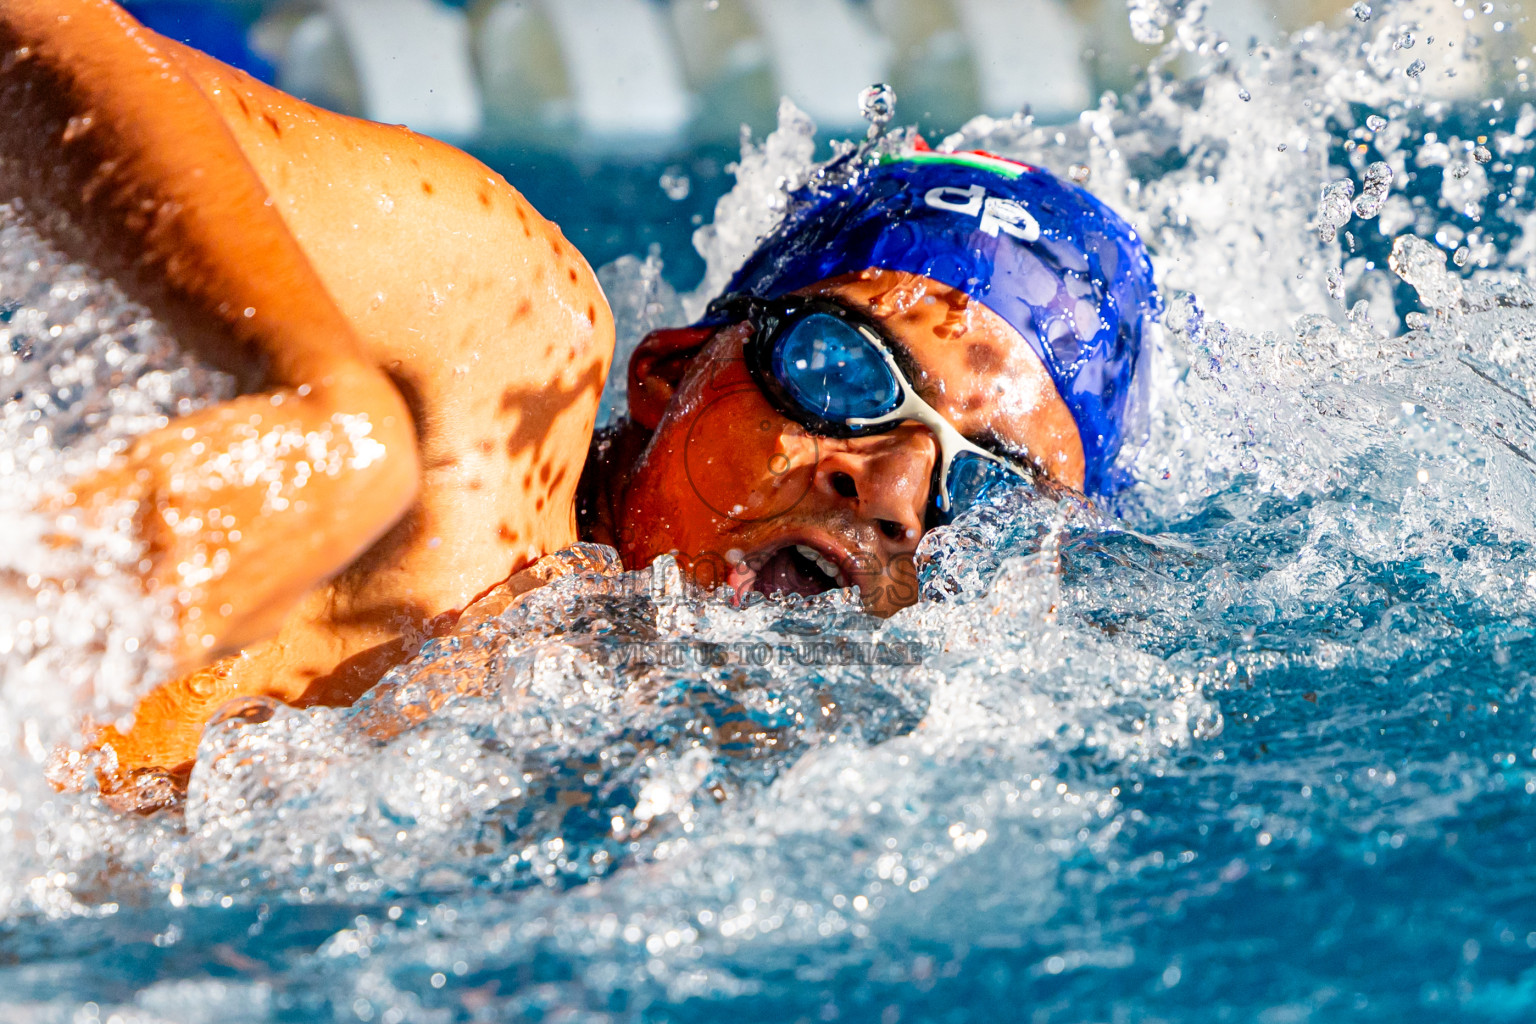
[729, 308]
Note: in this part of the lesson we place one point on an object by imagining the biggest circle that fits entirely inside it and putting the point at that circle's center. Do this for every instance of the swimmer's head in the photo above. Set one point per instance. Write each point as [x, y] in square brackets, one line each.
[800, 437]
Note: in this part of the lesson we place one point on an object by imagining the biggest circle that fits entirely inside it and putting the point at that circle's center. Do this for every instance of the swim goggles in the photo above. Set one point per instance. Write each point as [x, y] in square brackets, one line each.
[834, 371]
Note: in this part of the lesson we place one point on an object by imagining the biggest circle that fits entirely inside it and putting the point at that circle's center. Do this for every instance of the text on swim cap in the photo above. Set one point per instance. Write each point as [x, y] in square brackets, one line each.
[996, 214]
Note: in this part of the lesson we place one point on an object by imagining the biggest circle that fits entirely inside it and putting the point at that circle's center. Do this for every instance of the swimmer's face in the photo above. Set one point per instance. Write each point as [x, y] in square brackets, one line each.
[745, 497]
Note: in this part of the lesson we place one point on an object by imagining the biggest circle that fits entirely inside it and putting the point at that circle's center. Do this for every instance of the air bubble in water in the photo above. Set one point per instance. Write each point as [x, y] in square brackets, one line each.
[1361, 11]
[1373, 189]
[1375, 122]
[1416, 69]
[877, 105]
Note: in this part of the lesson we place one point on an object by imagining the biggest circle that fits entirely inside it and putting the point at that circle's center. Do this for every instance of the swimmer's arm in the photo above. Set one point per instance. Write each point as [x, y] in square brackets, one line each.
[245, 506]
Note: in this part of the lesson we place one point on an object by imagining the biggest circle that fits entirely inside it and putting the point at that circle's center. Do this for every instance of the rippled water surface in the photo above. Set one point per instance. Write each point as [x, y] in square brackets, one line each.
[1253, 742]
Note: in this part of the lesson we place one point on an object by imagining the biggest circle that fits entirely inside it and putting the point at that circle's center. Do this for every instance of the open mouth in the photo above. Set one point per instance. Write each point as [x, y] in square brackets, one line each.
[790, 569]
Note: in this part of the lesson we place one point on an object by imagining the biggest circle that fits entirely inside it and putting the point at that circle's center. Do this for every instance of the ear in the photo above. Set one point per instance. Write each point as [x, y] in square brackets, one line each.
[657, 368]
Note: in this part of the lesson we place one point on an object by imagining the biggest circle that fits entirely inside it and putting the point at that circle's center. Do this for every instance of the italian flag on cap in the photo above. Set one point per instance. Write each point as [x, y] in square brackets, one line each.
[977, 158]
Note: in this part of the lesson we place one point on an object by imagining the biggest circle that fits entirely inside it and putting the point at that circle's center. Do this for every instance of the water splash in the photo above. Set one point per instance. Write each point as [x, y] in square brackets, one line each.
[1149, 20]
[1288, 673]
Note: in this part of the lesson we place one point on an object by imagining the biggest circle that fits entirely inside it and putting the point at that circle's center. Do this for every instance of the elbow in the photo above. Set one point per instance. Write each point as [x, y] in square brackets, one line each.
[378, 445]
[399, 474]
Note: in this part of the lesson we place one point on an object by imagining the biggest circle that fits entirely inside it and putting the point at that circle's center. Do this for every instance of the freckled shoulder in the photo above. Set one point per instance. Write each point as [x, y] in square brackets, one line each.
[410, 232]
[488, 319]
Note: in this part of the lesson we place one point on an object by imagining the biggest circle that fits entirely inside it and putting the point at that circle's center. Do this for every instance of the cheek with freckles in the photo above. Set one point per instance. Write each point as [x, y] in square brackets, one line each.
[722, 462]
[745, 463]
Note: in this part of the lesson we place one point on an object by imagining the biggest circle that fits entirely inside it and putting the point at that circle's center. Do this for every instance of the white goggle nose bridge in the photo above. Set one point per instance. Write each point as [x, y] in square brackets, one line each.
[952, 443]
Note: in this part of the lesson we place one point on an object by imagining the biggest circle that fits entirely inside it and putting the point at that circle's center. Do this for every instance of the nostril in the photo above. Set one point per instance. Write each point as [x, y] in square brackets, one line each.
[843, 484]
[892, 529]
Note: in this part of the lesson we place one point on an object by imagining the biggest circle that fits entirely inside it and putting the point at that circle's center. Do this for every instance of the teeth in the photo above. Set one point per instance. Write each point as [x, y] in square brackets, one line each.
[822, 562]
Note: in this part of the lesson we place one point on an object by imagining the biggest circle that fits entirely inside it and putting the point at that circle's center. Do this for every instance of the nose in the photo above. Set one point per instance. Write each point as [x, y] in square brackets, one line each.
[884, 480]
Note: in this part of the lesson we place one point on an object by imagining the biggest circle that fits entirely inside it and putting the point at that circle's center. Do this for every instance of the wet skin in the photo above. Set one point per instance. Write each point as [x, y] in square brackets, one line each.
[421, 357]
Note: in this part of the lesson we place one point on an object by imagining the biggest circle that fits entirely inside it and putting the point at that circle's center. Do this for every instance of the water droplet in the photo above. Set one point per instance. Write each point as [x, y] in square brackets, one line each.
[1460, 256]
[1336, 284]
[877, 105]
[1361, 11]
[1373, 189]
[1416, 69]
[1244, 95]
[1375, 122]
[1333, 208]
[676, 183]
[1148, 19]
[1185, 317]
[1482, 155]
[1080, 173]
[1404, 41]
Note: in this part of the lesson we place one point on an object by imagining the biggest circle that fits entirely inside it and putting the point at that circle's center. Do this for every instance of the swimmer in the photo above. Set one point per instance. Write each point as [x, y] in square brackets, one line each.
[420, 357]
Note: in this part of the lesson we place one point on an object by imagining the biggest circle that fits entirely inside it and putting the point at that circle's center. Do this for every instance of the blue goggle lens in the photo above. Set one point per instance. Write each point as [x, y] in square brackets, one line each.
[973, 479]
[833, 371]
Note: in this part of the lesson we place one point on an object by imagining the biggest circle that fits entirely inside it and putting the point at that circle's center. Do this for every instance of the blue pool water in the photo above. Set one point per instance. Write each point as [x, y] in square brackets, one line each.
[1257, 743]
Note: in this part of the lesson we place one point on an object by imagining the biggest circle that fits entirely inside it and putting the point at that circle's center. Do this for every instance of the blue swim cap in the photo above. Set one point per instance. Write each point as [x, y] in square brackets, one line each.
[1053, 261]
[203, 26]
